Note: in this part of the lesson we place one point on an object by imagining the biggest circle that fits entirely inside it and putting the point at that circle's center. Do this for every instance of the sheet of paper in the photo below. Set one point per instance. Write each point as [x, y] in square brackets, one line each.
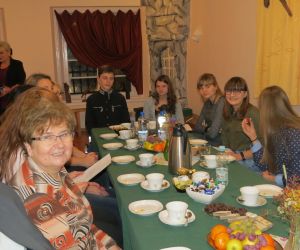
[93, 170]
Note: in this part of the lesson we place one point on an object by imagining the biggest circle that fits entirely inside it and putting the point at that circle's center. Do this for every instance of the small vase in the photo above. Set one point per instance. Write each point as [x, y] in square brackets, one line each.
[294, 237]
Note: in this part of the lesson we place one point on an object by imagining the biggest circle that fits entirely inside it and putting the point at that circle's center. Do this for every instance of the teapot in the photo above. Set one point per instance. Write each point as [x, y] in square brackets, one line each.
[179, 150]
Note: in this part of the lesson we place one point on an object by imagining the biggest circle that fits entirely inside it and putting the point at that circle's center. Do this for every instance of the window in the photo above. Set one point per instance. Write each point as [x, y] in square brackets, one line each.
[81, 78]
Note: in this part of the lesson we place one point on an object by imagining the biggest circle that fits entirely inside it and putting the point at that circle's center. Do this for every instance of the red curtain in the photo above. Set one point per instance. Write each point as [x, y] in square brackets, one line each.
[96, 39]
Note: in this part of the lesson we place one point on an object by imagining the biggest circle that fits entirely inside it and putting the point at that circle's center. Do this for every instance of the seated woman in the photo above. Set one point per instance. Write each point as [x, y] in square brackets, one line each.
[163, 98]
[211, 116]
[280, 127]
[43, 128]
[237, 108]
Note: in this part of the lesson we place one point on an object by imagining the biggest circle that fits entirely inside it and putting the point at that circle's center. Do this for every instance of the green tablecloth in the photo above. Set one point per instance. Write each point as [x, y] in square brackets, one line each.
[149, 233]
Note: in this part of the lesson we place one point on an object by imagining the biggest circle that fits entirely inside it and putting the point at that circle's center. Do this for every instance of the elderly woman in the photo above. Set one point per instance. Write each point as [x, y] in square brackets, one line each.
[11, 71]
[43, 127]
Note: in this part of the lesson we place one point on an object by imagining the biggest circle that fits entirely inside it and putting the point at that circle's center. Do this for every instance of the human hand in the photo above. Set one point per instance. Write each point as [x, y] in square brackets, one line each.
[95, 188]
[89, 159]
[268, 176]
[248, 128]
[237, 156]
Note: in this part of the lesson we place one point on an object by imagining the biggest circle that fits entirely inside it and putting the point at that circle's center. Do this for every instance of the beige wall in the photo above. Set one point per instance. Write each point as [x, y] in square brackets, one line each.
[226, 47]
[227, 43]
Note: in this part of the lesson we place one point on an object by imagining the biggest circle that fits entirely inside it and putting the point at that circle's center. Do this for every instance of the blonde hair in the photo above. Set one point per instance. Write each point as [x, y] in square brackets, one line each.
[209, 79]
[5, 45]
[276, 113]
[34, 111]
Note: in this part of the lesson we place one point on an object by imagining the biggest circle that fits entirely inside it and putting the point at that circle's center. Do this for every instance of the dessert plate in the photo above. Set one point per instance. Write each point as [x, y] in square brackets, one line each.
[123, 159]
[260, 202]
[269, 190]
[112, 146]
[165, 185]
[108, 136]
[163, 216]
[130, 179]
[198, 142]
[145, 207]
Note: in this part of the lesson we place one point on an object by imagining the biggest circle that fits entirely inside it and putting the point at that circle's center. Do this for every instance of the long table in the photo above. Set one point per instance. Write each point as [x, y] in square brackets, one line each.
[149, 233]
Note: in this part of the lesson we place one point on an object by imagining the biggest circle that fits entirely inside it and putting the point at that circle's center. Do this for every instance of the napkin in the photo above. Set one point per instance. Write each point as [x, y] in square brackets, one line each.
[93, 170]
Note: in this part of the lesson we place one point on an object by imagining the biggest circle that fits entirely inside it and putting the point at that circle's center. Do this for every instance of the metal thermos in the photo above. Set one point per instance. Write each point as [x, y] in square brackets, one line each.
[179, 150]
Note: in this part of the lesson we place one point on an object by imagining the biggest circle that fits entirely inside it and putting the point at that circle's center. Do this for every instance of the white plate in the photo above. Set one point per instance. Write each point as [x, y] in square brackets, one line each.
[108, 136]
[132, 149]
[269, 190]
[131, 179]
[117, 127]
[203, 164]
[163, 216]
[112, 146]
[198, 142]
[175, 248]
[122, 138]
[139, 163]
[145, 207]
[260, 202]
[123, 159]
[165, 185]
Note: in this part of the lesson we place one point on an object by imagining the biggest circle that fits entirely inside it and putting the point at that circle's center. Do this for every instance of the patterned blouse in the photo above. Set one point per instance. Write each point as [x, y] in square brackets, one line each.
[58, 209]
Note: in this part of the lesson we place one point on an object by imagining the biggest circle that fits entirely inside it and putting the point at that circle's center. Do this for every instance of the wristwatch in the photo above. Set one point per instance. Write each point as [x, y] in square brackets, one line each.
[243, 156]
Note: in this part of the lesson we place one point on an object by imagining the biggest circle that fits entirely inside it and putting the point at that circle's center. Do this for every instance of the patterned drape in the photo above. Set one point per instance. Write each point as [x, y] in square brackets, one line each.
[97, 38]
[278, 48]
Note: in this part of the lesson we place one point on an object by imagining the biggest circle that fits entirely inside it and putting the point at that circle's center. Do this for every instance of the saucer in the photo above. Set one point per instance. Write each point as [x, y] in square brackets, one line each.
[131, 179]
[108, 136]
[139, 163]
[122, 138]
[132, 149]
[260, 202]
[269, 190]
[204, 165]
[145, 207]
[163, 216]
[123, 159]
[112, 146]
[165, 185]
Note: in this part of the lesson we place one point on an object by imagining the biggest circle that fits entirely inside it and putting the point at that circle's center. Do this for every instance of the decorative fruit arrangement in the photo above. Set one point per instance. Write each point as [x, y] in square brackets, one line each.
[240, 235]
[154, 143]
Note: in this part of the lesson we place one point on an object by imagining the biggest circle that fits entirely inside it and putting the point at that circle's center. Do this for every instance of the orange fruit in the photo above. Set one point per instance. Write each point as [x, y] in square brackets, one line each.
[221, 240]
[269, 239]
[268, 247]
[219, 228]
[210, 241]
[159, 147]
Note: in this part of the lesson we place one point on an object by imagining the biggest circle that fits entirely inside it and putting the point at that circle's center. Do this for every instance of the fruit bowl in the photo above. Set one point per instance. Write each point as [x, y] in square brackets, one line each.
[154, 144]
[205, 197]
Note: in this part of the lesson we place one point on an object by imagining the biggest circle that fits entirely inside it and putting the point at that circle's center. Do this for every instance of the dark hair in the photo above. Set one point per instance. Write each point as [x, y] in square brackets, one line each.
[106, 69]
[209, 79]
[236, 84]
[171, 97]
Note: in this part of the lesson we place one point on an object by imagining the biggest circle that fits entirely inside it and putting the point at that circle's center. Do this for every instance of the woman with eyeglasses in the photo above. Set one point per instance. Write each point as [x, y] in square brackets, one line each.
[43, 127]
[237, 108]
[280, 127]
[211, 116]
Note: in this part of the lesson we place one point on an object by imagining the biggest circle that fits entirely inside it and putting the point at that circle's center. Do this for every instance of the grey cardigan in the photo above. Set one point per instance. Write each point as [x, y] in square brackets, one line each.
[149, 111]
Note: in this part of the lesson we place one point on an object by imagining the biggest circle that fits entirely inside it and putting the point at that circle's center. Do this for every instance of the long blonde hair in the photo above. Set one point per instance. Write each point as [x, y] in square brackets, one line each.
[276, 113]
[33, 111]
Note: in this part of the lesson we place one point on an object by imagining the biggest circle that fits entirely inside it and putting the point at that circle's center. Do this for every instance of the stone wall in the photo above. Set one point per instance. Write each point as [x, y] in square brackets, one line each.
[167, 23]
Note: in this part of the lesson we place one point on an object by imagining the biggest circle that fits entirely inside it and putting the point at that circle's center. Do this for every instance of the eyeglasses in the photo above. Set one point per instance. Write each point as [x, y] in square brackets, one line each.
[234, 92]
[65, 136]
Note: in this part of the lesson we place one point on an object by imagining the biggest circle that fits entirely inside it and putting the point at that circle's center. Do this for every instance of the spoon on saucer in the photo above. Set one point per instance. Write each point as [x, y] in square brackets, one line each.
[187, 216]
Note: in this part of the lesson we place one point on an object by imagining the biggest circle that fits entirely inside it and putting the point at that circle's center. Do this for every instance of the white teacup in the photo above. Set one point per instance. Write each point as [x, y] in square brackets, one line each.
[176, 211]
[146, 159]
[155, 181]
[152, 125]
[126, 125]
[249, 195]
[132, 143]
[211, 161]
[125, 134]
[199, 176]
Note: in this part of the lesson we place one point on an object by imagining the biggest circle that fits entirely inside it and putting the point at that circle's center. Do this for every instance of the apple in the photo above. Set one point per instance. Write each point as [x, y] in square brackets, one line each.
[234, 244]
